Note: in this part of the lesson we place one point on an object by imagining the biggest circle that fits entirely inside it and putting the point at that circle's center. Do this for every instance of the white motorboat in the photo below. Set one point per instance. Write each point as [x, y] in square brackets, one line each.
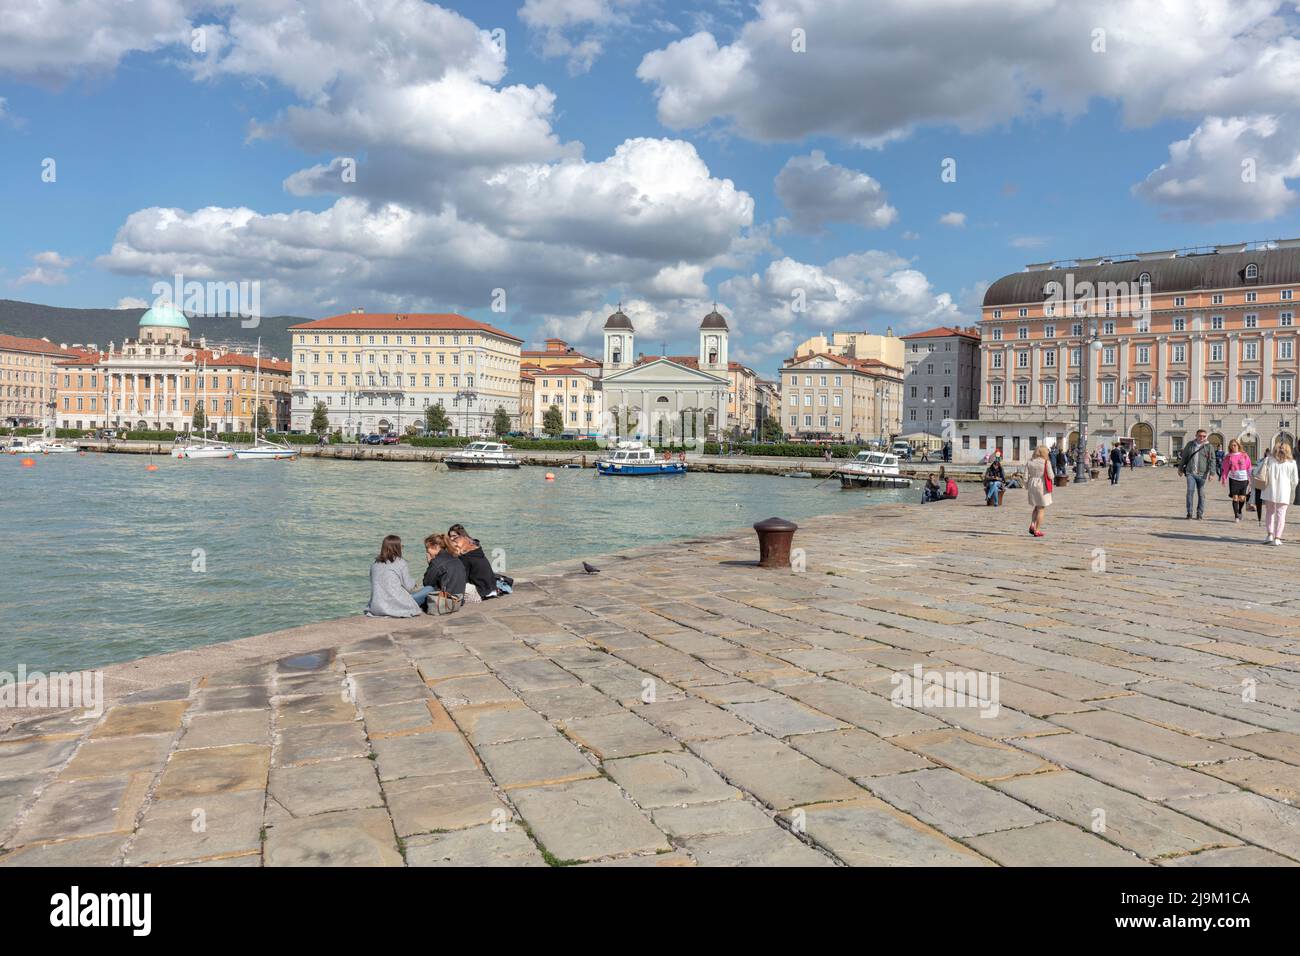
[24, 445]
[56, 448]
[482, 454]
[873, 469]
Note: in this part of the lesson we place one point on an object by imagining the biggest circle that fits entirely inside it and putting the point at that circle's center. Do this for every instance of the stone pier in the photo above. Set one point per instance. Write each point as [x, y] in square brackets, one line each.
[1135, 701]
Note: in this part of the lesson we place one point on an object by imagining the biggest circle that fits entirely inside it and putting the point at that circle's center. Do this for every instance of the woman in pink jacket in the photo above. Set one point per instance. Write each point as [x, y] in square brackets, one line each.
[1236, 475]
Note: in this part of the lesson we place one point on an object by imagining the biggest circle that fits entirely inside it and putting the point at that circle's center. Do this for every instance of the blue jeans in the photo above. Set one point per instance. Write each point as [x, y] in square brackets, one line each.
[1196, 487]
[992, 493]
[420, 595]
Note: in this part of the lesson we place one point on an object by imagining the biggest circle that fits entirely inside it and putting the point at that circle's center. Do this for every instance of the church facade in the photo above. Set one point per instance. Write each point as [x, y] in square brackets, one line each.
[665, 399]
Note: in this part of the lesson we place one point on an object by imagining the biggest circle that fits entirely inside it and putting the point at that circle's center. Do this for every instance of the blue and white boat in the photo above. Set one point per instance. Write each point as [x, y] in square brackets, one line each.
[632, 458]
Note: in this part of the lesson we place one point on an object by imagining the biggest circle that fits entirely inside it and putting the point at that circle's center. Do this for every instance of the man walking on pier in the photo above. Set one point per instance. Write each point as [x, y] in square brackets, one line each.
[1196, 463]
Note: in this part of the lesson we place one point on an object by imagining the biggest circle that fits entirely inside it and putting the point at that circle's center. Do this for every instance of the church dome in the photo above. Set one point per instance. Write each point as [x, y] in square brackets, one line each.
[165, 316]
[714, 320]
[619, 320]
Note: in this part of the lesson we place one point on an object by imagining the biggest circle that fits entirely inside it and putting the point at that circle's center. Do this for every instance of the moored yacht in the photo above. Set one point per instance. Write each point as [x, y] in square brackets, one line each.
[203, 448]
[482, 454]
[634, 459]
[873, 469]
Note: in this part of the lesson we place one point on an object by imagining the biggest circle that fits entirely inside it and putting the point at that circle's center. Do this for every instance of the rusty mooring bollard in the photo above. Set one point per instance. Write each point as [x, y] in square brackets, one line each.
[774, 538]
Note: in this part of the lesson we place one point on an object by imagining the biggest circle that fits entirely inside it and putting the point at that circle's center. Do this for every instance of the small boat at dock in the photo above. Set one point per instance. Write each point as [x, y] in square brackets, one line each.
[634, 459]
[480, 455]
[873, 469]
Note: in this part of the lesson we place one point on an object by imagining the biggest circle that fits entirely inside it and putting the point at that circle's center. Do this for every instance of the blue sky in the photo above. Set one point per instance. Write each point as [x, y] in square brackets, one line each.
[633, 115]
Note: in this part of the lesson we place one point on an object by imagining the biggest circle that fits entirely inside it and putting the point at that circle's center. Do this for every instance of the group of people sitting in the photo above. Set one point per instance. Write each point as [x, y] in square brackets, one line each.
[459, 573]
[940, 489]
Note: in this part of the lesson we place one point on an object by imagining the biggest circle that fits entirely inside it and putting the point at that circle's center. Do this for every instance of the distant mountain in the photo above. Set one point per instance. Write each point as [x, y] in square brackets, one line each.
[101, 326]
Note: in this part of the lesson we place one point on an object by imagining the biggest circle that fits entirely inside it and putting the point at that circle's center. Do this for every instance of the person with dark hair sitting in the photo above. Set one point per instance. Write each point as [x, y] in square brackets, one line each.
[484, 582]
[393, 592]
[445, 575]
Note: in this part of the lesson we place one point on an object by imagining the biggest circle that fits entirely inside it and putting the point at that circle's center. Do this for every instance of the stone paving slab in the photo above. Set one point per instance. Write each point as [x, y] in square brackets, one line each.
[688, 708]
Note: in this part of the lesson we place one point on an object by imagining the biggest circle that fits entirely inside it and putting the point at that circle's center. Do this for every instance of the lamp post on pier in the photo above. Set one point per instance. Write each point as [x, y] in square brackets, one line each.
[1089, 345]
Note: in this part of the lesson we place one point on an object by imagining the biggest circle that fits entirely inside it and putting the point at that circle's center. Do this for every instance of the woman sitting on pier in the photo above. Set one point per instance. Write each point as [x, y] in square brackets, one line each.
[994, 482]
[445, 575]
[484, 582]
[393, 592]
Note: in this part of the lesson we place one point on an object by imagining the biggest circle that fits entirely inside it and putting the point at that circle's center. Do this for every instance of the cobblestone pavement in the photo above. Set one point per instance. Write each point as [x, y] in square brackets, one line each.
[684, 707]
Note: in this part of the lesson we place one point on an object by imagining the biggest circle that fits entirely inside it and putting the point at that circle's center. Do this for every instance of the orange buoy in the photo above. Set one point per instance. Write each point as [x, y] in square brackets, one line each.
[150, 467]
[28, 462]
[550, 476]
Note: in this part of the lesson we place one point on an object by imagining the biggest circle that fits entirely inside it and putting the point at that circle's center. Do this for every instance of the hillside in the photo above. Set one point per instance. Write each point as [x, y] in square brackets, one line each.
[100, 326]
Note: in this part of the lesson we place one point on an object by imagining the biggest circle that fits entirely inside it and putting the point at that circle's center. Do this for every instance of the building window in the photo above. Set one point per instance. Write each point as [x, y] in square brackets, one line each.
[1180, 354]
[997, 359]
[1022, 359]
[1249, 391]
[1144, 355]
[1049, 331]
[1216, 351]
[1284, 348]
[997, 335]
[1216, 299]
[1023, 332]
[1022, 394]
[1049, 358]
[1285, 295]
[1286, 390]
[1023, 312]
[995, 394]
[1108, 355]
[997, 313]
[1049, 393]
[1250, 351]
[1216, 391]
[1252, 271]
[1108, 393]
[1252, 321]
[1216, 322]
[1108, 328]
[1144, 279]
[1179, 301]
[1286, 319]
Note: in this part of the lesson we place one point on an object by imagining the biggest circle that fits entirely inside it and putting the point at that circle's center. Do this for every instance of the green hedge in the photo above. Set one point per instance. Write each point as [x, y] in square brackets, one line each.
[21, 431]
[521, 444]
[787, 450]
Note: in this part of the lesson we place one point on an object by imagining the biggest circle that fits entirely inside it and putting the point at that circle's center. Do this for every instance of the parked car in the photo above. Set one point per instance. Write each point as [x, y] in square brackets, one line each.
[1161, 459]
[389, 438]
[373, 439]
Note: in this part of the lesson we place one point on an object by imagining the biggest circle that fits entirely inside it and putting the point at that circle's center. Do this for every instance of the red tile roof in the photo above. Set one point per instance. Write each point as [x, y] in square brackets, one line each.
[402, 321]
[943, 331]
[865, 365]
[17, 343]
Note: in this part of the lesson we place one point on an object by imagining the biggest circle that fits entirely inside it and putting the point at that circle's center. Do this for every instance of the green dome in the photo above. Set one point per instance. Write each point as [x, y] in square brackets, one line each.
[165, 315]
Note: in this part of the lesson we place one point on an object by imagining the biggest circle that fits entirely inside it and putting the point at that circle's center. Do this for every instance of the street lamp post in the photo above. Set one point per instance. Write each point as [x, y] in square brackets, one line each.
[470, 396]
[1087, 343]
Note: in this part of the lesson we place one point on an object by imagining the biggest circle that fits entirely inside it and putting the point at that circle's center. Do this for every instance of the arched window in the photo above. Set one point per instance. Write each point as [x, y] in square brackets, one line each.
[1144, 279]
[1252, 271]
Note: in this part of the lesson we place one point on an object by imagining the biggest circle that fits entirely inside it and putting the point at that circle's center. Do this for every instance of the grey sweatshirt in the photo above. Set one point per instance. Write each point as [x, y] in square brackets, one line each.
[391, 585]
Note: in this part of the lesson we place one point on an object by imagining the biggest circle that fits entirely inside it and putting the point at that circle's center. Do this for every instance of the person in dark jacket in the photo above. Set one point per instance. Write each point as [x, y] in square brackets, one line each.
[445, 574]
[994, 482]
[1116, 463]
[478, 569]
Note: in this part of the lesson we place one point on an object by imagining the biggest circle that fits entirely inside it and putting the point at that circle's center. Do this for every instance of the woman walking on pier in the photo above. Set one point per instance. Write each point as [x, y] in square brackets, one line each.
[1038, 474]
[1235, 473]
[1279, 478]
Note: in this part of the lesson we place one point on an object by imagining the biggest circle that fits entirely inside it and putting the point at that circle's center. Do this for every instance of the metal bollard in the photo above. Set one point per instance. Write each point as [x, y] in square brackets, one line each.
[775, 535]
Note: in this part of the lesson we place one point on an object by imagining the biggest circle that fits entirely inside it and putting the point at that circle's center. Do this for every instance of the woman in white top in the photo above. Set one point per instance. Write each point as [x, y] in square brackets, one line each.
[1279, 472]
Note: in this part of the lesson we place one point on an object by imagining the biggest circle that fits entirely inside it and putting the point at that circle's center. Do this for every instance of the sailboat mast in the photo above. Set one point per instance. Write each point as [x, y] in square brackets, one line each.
[257, 393]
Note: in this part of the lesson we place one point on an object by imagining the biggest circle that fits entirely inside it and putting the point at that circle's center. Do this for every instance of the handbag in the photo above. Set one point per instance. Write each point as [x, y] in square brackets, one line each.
[1259, 479]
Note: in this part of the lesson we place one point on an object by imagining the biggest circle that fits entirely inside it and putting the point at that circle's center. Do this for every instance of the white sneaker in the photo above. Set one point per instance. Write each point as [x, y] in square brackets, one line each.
[1278, 542]
[1269, 539]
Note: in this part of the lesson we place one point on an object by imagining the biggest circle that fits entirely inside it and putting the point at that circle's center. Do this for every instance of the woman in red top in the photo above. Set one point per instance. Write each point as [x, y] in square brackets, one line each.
[1038, 479]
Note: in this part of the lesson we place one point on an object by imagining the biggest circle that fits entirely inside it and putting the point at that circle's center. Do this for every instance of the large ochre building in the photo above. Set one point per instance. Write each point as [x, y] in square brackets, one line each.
[1189, 339]
[29, 379]
[378, 372]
